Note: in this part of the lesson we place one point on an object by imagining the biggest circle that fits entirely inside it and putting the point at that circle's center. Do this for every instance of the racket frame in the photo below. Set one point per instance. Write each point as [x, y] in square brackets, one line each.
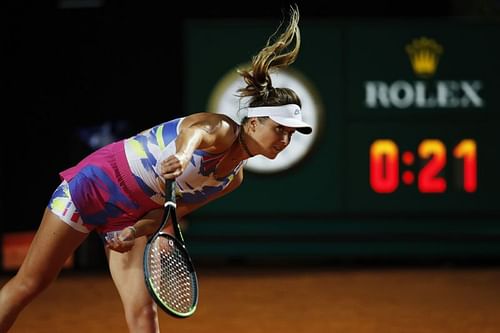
[169, 212]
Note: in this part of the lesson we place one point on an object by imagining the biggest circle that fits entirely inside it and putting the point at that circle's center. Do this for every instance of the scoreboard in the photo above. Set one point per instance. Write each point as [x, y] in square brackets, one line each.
[422, 114]
[404, 160]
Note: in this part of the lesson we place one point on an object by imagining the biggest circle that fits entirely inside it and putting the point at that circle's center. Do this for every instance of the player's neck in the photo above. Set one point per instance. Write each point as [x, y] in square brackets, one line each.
[243, 143]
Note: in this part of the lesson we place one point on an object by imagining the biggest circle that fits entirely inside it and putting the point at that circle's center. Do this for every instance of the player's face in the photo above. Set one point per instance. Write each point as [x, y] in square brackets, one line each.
[273, 137]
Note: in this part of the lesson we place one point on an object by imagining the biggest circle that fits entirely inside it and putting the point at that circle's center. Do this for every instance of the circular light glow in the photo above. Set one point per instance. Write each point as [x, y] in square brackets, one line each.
[224, 100]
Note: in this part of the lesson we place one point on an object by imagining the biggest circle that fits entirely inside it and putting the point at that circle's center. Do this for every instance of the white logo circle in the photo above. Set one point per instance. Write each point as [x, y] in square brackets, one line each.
[223, 99]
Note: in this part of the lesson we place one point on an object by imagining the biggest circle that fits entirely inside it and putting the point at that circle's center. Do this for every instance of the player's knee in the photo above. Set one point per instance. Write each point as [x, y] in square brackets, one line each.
[142, 317]
[30, 286]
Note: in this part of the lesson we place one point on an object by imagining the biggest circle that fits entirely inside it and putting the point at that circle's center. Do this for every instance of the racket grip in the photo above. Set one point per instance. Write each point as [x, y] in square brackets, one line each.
[170, 190]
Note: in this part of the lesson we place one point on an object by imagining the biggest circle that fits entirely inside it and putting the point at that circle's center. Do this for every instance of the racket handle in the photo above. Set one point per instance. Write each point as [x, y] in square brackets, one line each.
[170, 201]
[170, 190]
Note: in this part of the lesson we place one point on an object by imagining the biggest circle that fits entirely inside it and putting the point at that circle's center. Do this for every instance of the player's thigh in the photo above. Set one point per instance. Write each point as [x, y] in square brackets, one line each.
[53, 243]
[128, 274]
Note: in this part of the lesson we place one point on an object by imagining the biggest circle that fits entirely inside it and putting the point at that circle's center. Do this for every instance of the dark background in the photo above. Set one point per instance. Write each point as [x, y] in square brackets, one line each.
[68, 67]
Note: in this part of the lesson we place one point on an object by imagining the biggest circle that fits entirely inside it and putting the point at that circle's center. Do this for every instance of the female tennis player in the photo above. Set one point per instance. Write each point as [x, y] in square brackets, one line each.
[118, 190]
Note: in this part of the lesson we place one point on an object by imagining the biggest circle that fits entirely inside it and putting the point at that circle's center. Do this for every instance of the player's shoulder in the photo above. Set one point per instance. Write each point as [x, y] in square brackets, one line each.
[222, 131]
[210, 117]
[213, 122]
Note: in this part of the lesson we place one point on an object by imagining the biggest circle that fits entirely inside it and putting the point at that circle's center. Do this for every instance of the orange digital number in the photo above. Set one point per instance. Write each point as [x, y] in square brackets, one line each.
[429, 180]
[466, 150]
[384, 166]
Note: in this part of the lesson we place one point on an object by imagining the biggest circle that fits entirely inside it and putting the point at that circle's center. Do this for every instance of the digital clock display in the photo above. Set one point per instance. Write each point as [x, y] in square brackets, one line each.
[423, 166]
[385, 160]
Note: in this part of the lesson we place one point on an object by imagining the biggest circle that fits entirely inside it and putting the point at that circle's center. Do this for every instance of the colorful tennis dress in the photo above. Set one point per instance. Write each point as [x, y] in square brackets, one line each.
[116, 185]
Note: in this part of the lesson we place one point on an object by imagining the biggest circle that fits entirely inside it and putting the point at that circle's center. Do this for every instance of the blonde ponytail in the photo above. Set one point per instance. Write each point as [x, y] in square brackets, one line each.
[278, 53]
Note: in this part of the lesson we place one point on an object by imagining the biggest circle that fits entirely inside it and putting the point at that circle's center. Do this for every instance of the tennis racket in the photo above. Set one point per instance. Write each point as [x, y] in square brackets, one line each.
[168, 270]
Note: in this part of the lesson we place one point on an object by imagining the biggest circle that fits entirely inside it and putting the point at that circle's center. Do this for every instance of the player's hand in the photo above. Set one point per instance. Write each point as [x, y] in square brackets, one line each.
[122, 241]
[173, 166]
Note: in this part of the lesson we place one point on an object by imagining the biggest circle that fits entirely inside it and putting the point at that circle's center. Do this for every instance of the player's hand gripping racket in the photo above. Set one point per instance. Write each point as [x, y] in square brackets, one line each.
[168, 270]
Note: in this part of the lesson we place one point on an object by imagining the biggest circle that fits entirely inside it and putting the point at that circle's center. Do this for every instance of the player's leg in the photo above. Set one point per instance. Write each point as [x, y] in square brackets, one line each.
[54, 242]
[128, 276]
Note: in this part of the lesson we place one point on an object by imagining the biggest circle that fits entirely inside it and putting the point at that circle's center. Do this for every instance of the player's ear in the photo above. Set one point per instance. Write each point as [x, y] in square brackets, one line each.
[253, 123]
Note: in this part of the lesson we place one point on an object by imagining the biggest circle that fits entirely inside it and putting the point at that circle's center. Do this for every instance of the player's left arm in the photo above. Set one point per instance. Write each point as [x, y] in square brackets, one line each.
[125, 239]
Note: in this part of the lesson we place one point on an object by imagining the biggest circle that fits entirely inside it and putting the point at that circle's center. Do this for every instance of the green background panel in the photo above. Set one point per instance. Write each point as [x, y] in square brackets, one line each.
[368, 237]
[325, 206]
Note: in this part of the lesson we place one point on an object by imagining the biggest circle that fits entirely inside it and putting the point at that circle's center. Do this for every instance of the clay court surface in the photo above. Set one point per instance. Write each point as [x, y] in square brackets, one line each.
[266, 299]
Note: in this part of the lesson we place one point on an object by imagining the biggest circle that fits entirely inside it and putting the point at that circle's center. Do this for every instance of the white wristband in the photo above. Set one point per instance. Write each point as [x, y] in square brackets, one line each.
[134, 230]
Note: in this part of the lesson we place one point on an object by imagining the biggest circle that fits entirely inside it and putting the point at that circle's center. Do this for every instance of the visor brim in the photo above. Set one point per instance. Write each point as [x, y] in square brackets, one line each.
[299, 125]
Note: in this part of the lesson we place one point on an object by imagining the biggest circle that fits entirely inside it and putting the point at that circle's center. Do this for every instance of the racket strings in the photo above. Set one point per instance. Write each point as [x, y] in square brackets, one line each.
[172, 275]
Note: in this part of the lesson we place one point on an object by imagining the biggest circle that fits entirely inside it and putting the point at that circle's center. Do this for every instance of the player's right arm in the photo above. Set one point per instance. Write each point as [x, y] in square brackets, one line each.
[210, 132]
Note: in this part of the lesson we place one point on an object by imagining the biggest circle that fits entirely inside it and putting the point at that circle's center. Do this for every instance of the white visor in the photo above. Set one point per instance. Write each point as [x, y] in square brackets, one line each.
[288, 115]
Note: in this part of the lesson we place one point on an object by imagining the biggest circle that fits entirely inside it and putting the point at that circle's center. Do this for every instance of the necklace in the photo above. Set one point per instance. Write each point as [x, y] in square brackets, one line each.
[243, 144]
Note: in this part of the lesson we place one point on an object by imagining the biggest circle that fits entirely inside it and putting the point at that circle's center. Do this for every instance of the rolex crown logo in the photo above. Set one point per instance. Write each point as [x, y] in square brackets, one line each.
[424, 56]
